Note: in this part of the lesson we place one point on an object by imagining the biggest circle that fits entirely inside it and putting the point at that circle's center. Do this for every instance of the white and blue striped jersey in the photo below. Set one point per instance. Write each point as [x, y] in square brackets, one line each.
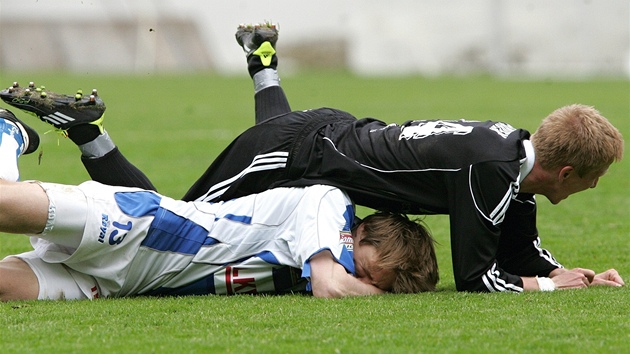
[139, 242]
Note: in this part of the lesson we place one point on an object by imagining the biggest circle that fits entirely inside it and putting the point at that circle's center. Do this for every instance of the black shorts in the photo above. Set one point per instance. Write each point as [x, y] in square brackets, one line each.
[262, 156]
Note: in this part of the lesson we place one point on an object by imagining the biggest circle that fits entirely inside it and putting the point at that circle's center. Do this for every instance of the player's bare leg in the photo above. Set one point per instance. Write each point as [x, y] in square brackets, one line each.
[23, 207]
[17, 280]
[259, 42]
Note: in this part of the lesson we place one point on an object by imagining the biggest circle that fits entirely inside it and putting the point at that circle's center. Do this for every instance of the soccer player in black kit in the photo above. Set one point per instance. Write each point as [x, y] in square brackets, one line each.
[484, 175]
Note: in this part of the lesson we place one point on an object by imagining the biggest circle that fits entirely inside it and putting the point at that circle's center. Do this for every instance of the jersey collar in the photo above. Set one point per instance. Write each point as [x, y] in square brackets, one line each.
[528, 162]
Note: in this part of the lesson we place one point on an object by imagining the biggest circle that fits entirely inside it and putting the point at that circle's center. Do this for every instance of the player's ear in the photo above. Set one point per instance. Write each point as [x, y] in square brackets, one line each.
[357, 232]
[565, 172]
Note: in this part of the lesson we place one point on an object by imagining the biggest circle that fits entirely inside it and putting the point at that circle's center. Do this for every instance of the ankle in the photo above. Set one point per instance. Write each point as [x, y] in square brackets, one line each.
[98, 147]
[83, 133]
[254, 65]
[265, 78]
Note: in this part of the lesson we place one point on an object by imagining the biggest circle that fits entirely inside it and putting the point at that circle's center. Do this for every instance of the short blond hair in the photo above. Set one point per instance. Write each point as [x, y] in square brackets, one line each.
[577, 136]
[406, 247]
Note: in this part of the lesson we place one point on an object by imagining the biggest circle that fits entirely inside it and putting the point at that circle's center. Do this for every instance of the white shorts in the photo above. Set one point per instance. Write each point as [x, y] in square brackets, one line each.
[85, 232]
[58, 282]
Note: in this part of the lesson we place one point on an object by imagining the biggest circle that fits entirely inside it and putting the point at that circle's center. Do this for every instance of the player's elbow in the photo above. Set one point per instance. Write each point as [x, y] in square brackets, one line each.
[473, 285]
[327, 290]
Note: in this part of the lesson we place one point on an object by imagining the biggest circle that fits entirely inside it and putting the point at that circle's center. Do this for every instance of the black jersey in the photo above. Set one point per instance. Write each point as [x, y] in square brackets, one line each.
[468, 170]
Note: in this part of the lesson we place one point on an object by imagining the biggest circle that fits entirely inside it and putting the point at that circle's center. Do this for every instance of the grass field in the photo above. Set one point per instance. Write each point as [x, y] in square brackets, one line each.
[172, 126]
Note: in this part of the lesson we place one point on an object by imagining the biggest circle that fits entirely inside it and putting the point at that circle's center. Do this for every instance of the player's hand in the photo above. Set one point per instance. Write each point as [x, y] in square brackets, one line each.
[608, 278]
[590, 274]
[570, 279]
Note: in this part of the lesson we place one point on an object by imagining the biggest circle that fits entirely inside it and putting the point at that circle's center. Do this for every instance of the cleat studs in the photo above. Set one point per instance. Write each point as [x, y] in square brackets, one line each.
[94, 92]
[31, 84]
[43, 94]
[27, 92]
[15, 84]
[11, 89]
[78, 96]
[38, 89]
[92, 98]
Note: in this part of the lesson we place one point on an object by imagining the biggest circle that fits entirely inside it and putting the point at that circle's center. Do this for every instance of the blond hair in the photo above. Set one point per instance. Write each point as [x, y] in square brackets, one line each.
[577, 136]
[406, 247]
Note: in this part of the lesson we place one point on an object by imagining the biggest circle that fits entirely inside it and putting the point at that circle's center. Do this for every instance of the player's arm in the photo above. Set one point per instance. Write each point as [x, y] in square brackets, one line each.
[329, 279]
[520, 251]
[478, 199]
[558, 279]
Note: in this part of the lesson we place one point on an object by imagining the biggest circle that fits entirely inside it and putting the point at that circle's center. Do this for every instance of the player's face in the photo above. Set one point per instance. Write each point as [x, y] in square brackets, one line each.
[573, 183]
[367, 268]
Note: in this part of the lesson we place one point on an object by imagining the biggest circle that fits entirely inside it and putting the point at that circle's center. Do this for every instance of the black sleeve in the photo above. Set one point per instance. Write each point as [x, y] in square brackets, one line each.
[479, 197]
[519, 245]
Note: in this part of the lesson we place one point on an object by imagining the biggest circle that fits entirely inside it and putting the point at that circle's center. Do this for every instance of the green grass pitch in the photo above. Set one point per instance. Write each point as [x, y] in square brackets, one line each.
[172, 126]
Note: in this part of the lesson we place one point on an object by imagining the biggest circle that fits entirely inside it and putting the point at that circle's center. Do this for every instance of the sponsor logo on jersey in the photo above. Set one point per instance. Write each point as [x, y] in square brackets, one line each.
[103, 228]
[238, 283]
[345, 238]
[252, 276]
[503, 129]
[424, 129]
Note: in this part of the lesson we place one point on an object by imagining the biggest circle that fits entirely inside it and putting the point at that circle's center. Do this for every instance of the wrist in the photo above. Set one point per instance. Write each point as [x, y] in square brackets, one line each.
[545, 284]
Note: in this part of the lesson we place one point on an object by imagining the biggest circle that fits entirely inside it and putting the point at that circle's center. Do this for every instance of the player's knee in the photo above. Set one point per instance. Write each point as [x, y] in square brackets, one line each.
[17, 280]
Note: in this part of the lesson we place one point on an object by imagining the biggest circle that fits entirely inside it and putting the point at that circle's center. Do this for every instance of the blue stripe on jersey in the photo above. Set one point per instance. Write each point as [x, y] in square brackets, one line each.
[245, 219]
[210, 241]
[268, 257]
[168, 231]
[349, 216]
[138, 204]
[10, 129]
[346, 260]
[173, 233]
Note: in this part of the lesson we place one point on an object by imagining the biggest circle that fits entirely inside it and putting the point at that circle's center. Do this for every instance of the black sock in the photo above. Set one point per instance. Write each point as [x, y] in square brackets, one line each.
[115, 170]
[83, 133]
[270, 102]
